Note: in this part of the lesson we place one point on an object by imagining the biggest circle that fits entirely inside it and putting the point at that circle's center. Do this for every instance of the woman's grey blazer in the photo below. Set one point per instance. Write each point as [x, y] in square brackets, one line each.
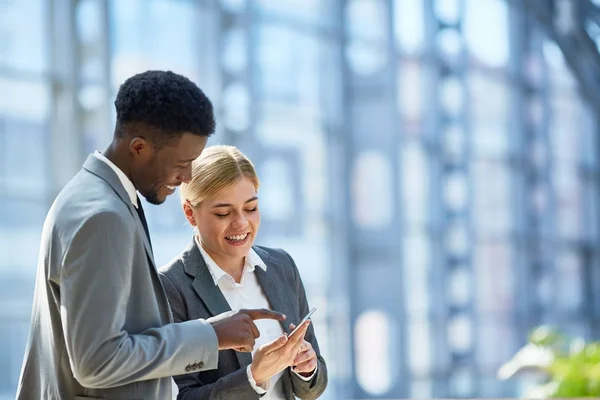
[192, 294]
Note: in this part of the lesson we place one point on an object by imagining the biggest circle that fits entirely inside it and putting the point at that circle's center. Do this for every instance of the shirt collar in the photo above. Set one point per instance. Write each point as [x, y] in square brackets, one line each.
[252, 260]
[125, 181]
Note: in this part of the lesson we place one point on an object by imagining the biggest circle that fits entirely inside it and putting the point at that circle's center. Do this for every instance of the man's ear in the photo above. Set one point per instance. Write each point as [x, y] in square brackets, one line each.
[140, 147]
[188, 211]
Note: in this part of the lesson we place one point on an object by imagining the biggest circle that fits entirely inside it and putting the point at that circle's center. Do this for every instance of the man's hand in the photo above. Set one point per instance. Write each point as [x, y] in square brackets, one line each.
[306, 360]
[236, 329]
[272, 358]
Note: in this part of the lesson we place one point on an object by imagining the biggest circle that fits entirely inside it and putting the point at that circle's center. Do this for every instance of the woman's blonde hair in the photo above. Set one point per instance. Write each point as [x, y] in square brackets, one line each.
[217, 168]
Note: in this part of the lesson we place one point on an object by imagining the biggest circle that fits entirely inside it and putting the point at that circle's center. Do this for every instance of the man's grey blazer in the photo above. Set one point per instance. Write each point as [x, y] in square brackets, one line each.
[101, 327]
[193, 294]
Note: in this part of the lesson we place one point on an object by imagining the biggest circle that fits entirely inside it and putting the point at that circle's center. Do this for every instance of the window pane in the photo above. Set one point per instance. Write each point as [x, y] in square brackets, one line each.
[283, 53]
[568, 189]
[479, 16]
[372, 349]
[417, 268]
[409, 25]
[309, 11]
[415, 179]
[372, 190]
[24, 35]
[569, 281]
[23, 159]
[493, 263]
[492, 201]
[136, 49]
[366, 19]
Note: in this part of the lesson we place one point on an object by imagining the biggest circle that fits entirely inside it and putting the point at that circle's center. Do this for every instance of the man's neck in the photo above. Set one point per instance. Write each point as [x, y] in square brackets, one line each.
[117, 157]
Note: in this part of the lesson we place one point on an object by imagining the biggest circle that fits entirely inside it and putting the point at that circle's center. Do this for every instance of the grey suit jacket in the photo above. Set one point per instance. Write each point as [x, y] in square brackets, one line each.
[101, 327]
[193, 294]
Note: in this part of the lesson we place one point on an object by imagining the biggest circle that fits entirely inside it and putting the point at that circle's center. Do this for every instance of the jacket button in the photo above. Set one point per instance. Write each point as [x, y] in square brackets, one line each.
[194, 367]
[200, 365]
[188, 368]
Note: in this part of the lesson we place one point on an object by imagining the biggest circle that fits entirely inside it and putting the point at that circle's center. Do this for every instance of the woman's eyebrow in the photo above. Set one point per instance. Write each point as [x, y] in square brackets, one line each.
[230, 205]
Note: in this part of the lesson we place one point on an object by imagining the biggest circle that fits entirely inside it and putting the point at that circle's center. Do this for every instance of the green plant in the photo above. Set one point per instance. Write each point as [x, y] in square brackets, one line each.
[569, 366]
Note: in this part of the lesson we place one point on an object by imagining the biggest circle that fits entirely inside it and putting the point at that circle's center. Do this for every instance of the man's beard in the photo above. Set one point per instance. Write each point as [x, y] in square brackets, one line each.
[152, 198]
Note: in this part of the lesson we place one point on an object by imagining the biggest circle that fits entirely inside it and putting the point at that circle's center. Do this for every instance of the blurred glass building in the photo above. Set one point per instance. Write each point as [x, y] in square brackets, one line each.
[431, 165]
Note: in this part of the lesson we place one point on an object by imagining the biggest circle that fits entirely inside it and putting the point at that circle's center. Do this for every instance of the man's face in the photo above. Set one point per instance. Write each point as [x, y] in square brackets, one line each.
[159, 171]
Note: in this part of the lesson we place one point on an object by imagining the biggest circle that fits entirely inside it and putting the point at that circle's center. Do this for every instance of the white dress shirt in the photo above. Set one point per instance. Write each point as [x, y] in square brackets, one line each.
[249, 294]
[132, 193]
[125, 181]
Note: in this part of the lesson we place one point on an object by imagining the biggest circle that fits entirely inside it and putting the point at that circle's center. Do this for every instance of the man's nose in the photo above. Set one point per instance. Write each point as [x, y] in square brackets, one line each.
[186, 175]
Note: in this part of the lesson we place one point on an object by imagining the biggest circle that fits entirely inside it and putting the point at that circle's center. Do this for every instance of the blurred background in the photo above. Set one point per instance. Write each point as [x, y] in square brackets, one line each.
[431, 165]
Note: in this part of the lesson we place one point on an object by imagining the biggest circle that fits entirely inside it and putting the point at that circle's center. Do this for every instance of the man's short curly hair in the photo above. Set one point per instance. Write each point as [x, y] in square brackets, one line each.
[168, 103]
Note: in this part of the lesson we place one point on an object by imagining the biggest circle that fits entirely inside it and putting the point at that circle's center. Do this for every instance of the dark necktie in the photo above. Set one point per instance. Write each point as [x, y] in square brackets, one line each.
[140, 211]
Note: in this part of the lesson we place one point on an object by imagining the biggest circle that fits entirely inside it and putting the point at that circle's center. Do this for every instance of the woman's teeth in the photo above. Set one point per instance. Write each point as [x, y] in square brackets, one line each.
[236, 237]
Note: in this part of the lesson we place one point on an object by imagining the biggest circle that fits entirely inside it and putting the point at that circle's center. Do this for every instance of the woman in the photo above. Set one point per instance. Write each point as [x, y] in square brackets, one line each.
[221, 270]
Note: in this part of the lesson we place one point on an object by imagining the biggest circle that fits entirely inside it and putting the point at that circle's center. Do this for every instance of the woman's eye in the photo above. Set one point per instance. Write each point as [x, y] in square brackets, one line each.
[222, 215]
[252, 209]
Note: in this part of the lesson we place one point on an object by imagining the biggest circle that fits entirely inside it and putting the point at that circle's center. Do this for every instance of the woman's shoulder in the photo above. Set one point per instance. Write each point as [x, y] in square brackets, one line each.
[274, 253]
[275, 257]
[175, 267]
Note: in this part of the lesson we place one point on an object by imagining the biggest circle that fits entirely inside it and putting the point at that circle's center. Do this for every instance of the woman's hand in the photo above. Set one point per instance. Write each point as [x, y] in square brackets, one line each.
[306, 360]
[272, 358]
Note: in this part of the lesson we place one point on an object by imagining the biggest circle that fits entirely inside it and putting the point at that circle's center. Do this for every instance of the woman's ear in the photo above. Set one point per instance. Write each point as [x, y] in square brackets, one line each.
[188, 211]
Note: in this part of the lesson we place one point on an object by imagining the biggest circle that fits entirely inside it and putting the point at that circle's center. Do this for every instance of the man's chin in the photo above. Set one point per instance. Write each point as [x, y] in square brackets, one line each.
[155, 198]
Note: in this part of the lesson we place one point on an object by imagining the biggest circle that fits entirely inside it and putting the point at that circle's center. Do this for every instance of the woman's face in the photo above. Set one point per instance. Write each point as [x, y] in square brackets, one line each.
[228, 222]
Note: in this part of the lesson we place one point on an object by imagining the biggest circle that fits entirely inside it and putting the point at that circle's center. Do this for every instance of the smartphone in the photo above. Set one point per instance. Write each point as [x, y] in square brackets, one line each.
[311, 312]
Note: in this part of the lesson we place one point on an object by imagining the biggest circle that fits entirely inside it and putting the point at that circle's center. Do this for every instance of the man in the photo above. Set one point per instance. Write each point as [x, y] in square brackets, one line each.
[101, 326]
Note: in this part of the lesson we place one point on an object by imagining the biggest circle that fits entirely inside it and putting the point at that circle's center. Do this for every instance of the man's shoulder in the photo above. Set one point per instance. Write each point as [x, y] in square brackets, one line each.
[86, 198]
[88, 189]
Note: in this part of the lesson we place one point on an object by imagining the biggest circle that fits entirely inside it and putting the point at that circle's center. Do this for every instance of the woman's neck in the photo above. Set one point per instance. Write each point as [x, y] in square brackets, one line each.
[234, 266]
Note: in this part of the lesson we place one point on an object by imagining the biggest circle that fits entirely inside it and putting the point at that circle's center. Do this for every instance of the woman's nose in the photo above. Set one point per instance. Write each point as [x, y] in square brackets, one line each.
[240, 221]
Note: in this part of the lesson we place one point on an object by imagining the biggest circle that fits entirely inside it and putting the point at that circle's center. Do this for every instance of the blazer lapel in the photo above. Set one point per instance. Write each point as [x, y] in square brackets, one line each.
[142, 232]
[103, 171]
[269, 280]
[278, 300]
[207, 291]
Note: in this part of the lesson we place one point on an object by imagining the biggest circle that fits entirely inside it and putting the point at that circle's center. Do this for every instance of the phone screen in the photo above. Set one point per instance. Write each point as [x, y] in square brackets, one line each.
[311, 312]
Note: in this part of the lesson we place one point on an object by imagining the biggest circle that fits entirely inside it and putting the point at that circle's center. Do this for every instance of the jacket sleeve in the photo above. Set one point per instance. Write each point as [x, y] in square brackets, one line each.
[94, 283]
